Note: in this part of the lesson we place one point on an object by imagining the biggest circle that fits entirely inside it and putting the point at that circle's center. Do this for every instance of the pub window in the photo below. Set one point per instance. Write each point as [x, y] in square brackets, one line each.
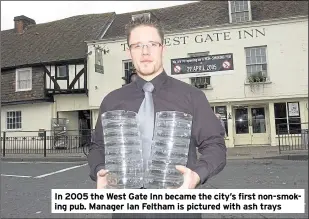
[141, 16]
[13, 120]
[201, 82]
[62, 71]
[287, 118]
[256, 64]
[223, 113]
[23, 79]
[240, 11]
[128, 69]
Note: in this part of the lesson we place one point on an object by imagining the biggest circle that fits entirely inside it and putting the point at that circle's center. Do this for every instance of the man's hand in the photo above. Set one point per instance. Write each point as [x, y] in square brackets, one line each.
[102, 179]
[190, 178]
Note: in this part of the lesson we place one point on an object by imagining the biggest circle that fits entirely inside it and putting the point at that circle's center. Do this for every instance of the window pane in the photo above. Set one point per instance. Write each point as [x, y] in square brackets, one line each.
[280, 110]
[294, 125]
[233, 9]
[208, 80]
[253, 57]
[258, 51]
[259, 68]
[281, 126]
[241, 121]
[242, 127]
[248, 60]
[8, 123]
[239, 6]
[258, 120]
[246, 6]
[126, 73]
[62, 71]
[234, 18]
[24, 75]
[247, 52]
[242, 5]
[249, 69]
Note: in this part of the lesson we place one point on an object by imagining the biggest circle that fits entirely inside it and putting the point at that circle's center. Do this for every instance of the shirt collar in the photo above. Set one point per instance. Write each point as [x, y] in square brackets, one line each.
[157, 82]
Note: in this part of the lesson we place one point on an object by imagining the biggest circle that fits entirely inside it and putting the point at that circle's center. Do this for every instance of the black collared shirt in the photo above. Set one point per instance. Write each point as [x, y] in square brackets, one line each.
[169, 94]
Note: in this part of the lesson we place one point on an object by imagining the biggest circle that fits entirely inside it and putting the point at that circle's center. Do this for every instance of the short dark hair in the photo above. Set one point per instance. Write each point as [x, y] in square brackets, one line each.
[147, 19]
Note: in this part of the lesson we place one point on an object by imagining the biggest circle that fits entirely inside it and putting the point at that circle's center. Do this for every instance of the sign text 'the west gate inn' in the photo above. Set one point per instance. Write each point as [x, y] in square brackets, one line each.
[210, 37]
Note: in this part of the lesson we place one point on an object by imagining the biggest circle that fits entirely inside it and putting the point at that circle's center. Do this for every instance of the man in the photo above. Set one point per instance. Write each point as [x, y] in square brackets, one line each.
[145, 39]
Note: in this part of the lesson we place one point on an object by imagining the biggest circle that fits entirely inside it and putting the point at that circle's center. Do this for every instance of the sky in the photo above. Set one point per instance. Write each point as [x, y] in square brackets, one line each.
[46, 11]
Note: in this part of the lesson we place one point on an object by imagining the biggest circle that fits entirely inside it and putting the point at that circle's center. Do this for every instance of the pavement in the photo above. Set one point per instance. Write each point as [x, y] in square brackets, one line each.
[26, 186]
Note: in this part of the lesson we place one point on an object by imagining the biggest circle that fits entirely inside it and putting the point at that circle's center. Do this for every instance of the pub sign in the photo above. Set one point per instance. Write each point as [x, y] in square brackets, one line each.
[98, 61]
[209, 63]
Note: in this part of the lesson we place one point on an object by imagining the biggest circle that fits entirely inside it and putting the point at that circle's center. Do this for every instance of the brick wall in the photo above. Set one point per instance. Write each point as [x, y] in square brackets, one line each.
[8, 91]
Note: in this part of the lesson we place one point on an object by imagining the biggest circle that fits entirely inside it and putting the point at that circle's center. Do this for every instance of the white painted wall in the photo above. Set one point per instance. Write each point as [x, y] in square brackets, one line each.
[287, 57]
[71, 102]
[34, 117]
[95, 115]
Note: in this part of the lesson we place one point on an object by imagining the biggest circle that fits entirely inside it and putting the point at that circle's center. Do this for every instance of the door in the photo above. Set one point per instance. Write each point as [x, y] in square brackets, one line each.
[242, 133]
[251, 126]
[259, 130]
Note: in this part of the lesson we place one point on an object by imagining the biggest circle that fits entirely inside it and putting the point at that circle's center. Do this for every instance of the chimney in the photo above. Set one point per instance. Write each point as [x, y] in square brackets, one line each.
[21, 22]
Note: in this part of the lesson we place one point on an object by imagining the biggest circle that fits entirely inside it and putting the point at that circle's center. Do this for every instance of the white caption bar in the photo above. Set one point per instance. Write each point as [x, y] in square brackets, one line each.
[178, 201]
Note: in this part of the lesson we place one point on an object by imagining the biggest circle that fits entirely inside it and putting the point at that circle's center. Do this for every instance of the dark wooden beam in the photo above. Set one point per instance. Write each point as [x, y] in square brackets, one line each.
[56, 85]
[76, 78]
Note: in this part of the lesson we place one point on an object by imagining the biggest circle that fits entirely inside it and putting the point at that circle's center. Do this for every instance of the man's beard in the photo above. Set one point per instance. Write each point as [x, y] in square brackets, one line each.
[148, 71]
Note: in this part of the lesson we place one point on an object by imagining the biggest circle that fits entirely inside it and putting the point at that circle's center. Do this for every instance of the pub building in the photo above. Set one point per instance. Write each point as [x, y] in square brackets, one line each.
[250, 58]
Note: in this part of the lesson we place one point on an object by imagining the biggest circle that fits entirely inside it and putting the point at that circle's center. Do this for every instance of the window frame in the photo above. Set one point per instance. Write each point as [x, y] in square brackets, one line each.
[57, 67]
[265, 73]
[226, 120]
[287, 118]
[17, 72]
[126, 76]
[249, 12]
[8, 117]
[206, 77]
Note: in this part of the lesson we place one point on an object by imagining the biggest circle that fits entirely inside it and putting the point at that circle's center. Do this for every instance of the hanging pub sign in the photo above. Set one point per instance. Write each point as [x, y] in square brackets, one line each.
[210, 63]
[98, 61]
